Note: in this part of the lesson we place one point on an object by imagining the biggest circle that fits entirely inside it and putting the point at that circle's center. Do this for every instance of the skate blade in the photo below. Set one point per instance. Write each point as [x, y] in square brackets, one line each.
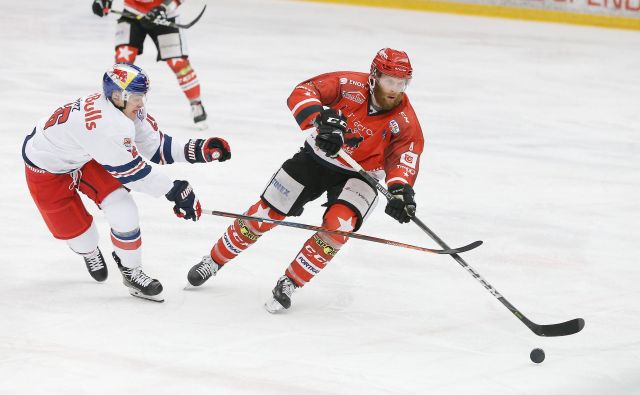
[273, 306]
[202, 125]
[190, 287]
[155, 298]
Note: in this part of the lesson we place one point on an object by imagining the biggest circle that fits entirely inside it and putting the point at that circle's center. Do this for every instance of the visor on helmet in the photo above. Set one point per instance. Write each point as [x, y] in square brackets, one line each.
[138, 99]
[390, 83]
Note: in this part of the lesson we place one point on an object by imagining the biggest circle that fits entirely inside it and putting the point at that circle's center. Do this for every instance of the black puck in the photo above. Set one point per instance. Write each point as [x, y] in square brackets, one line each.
[537, 355]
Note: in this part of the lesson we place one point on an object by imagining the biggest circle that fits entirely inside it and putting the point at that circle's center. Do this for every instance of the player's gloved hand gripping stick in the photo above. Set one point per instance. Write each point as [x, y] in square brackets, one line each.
[562, 329]
[156, 20]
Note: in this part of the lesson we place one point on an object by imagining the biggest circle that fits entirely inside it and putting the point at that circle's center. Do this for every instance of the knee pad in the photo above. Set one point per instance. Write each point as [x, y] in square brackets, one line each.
[180, 66]
[361, 197]
[338, 217]
[126, 54]
[260, 209]
[121, 211]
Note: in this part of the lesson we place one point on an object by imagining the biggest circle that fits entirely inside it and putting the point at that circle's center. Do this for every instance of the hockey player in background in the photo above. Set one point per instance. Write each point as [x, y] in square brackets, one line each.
[369, 117]
[93, 145]
[170, 43]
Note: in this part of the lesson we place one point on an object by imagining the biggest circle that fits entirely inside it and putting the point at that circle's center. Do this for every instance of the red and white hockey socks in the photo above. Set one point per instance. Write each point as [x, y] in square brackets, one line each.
[241, 234]
[187, 78]
[322, 247]
[126, 54]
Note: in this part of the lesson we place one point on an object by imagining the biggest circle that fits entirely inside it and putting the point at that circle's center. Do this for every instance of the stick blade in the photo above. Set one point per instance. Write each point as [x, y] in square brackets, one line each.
[471, 246]
[562, 329]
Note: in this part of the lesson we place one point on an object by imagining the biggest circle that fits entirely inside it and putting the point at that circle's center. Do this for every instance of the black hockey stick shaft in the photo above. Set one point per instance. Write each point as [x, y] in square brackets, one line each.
[129, 15]
[561, 329]
[342, 233]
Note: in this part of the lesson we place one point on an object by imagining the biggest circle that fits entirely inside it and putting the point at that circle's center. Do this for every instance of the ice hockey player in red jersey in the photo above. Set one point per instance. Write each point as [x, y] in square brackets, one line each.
[169, 41]
[95, 145]
[370, 117]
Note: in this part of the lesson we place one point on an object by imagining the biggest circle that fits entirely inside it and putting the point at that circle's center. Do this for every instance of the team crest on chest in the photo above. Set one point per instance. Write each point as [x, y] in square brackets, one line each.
[394, 127]
[130, 147]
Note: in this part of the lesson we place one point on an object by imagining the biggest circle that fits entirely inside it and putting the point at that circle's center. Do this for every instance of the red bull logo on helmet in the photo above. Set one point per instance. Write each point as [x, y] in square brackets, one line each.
[122, 77]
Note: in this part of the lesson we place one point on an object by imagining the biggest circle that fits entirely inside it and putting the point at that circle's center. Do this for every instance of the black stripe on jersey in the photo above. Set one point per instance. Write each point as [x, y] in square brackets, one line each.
[306, 112]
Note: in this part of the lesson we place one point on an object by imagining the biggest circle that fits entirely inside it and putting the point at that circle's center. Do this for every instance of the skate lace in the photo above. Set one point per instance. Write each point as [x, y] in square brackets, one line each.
[287, 286]
[139, 277]
[206, 268]
[196, 110]
[76, 175]
[94, 262]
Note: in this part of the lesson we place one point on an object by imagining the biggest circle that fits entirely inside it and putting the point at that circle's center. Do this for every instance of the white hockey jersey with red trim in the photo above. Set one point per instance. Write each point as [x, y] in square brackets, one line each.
[91, 127]
[392, 141]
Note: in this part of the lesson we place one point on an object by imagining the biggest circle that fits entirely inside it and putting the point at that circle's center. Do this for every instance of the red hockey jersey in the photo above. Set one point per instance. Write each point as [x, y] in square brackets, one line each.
[392, 141]
[141, 7]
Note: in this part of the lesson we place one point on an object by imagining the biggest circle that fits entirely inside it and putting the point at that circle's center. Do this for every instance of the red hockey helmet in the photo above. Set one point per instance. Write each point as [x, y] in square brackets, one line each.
[392, 62]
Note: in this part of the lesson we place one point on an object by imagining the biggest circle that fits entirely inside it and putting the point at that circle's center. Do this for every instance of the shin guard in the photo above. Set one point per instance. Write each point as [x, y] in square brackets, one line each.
[320, 248]
[187, 78]
[241, 234]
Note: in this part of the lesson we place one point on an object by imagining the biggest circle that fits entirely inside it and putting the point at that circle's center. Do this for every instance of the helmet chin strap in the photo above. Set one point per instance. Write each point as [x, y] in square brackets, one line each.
[372, 86]
[118, 107]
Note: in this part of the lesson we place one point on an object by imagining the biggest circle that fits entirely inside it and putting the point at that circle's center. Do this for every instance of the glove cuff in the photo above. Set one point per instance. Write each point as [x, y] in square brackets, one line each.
[193, 151]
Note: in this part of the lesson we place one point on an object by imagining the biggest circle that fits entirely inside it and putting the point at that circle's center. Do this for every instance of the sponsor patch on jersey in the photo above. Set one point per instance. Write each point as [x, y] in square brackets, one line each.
[130, 147]
[357, 97]
[343, 81]
[409, 159]
[393, 125]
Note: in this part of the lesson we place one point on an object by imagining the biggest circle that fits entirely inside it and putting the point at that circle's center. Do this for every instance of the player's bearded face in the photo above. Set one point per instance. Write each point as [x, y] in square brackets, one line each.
[388, 91]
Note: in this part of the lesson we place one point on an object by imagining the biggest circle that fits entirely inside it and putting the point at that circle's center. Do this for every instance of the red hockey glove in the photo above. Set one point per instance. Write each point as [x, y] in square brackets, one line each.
[331, 126]
[186, 205]
[402, 207]
[202, 151]
[101, 7]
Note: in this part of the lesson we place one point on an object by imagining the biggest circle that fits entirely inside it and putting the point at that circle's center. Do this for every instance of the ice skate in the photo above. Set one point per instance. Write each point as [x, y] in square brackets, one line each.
[281, 295]
[199, 114]
[202, 271]
[96, 265]
[139, 284]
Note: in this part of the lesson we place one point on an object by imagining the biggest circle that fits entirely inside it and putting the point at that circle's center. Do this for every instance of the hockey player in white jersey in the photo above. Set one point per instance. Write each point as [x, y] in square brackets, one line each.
[96, 144]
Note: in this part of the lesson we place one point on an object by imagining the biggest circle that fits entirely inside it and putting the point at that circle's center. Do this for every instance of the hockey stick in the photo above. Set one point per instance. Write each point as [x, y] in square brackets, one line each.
[162, 22]
[562, 329]
[341, 233]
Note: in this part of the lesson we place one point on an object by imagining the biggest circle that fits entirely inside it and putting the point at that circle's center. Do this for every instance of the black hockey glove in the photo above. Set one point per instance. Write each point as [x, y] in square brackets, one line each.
[202, 151]
[186, 205]
[101, 7]
[157, 14]
[331, 126]
[402, 207]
